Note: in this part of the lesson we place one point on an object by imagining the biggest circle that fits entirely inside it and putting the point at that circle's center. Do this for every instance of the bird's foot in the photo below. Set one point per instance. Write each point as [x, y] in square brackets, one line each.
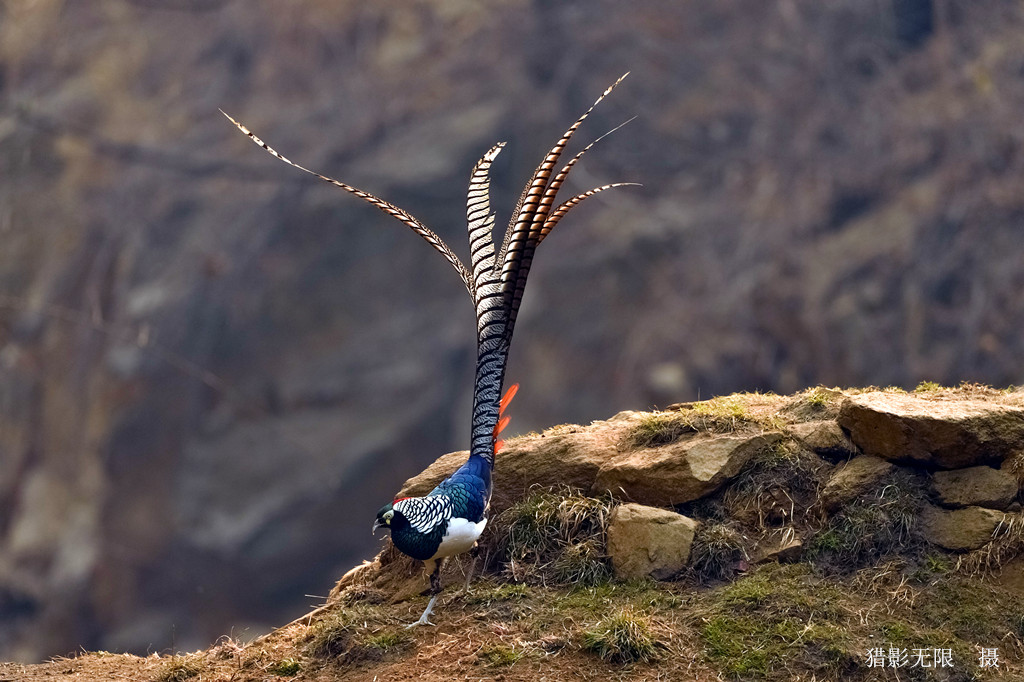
[422, 621]
[425, 618]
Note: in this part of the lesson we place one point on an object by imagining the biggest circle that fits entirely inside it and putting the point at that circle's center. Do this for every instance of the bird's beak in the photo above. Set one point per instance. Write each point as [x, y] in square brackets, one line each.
[376, 524]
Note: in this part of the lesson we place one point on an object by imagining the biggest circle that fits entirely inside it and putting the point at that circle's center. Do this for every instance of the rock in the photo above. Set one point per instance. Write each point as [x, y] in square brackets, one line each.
[825, 438]
[853, 480]
[562, 456]
[949, 434]
[959, 529]
[648, 541]
[781, 545]
[682, 471]
[982, 486]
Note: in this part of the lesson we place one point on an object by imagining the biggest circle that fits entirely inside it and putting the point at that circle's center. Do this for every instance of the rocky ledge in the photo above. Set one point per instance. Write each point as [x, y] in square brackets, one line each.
[784, 475]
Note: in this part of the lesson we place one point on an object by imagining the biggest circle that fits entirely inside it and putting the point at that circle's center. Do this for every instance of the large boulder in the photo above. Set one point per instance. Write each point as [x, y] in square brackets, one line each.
[959, 530]
[648, 542]
[851, 481]
[682, 471]
[948, 434]
[982, 486]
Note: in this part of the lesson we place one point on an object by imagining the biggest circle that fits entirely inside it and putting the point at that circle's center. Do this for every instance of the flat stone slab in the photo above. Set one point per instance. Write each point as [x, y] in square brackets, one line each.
[949, 434]
[648, 542]
[682, 471]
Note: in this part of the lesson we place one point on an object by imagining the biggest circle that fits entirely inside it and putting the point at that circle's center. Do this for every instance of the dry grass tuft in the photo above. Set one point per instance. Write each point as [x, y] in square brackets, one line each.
[624, 637]
[553, 537]
[872, 527]
[1007, 543]
[656, 429]
[717, 550]
[889, 584]
[181, 668]
[777, 487]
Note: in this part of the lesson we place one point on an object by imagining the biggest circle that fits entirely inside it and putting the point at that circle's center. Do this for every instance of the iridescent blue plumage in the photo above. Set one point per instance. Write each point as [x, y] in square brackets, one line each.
[469, 489]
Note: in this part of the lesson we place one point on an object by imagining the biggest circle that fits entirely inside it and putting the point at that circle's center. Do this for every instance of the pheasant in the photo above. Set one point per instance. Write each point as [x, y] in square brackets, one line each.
[450, 519]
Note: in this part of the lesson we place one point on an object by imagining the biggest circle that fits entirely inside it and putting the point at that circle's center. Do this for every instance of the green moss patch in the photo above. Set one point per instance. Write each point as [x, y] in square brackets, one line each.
[500, 655]
[288, 667]
[776, 620]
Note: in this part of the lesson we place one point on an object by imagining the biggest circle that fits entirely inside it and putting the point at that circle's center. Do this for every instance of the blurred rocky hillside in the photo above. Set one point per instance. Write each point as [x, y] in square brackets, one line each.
[213, 370]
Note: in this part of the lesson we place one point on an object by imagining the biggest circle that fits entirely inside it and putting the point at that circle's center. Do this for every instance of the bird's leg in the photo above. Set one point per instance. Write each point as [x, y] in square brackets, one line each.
[435, 592]
[475, 554]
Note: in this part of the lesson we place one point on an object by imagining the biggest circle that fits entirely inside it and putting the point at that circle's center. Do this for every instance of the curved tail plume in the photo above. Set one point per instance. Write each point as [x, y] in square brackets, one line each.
[495, 281]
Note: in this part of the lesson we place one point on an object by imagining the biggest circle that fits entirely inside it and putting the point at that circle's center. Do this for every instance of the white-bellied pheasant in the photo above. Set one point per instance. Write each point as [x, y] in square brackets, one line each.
[450, 519]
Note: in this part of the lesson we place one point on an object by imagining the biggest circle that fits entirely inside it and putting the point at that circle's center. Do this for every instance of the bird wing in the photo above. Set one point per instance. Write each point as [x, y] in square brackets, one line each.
[425, 513]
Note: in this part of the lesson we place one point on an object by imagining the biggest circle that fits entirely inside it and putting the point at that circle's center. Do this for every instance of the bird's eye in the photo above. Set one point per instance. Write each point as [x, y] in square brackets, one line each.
[388, 516]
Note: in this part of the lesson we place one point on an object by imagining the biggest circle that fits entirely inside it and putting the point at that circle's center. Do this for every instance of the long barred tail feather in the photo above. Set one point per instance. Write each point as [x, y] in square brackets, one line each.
[499, 283]
[480, 219]
[496, 282]
[535, 218]
[522, 218]
[564, 207]
[521, 222]
[387, 207]
[556, 182]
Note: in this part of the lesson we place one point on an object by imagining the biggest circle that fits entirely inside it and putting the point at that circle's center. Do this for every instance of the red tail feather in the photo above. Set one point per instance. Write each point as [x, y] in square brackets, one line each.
[509, 394]
[503, 422]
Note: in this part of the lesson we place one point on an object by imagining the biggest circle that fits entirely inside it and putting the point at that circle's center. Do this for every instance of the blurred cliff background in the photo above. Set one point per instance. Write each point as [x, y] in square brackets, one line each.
[214, 370]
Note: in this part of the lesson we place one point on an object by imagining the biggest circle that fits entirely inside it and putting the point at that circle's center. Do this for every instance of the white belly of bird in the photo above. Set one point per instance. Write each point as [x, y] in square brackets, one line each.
[460, 537]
